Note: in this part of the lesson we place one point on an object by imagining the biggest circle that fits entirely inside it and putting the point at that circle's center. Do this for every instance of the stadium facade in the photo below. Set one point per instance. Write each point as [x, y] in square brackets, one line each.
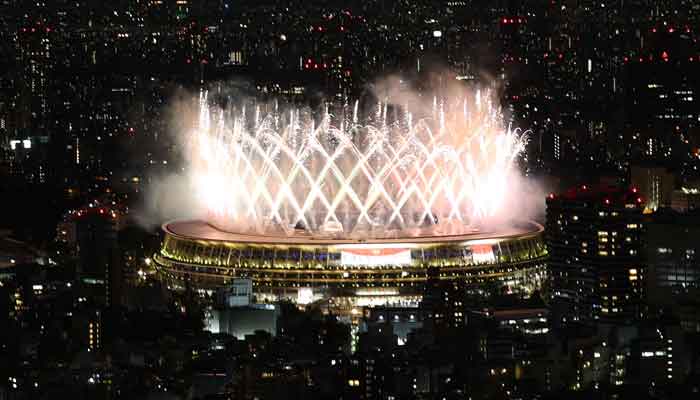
[306, 268]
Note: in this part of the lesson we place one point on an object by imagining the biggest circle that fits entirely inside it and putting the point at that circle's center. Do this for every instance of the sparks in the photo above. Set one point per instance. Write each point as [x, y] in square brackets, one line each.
[392, 171]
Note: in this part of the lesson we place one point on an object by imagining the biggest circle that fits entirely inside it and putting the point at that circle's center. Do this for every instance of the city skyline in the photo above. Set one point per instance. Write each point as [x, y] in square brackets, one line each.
[454, 199]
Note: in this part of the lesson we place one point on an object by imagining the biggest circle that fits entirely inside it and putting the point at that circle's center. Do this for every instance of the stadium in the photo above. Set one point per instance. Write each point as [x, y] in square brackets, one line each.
[357, 205]
[305, 268]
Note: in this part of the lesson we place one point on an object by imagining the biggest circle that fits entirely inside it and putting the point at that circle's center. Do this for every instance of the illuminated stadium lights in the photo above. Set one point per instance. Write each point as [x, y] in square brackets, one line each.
[366, 272]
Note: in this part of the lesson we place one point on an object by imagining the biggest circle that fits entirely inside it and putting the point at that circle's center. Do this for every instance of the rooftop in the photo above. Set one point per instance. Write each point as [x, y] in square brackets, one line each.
[607, 195]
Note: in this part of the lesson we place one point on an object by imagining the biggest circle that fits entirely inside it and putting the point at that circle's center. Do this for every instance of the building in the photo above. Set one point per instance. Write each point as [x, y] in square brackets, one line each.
[403, 320]
[443, 301]
[528, 316]
[87, 329]
[239, 294]
[655, 185]
[244, 320]
[367, 272]
[685, 199]
[596, 255]
[236, 314]
[98, 253]
[672, 252]
[658, 354]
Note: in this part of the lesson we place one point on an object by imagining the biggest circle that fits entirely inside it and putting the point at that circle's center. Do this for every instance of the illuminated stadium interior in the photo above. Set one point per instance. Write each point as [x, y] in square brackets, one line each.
[305, 268]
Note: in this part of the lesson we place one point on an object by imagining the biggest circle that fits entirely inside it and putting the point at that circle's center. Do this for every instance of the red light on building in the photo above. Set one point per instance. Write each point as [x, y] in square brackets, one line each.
[584, 187]
[653, 30]
[639, 200]
[671, 30]
[505, 20]
[634, 190]
[551, 195]
[607, 201]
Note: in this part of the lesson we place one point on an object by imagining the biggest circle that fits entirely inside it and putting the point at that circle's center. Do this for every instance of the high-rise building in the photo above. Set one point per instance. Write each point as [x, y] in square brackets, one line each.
[87, 329]
[443, 301]
[34, 53]
[98, 254]
[655, 184]
[596, 260]
[672, 252]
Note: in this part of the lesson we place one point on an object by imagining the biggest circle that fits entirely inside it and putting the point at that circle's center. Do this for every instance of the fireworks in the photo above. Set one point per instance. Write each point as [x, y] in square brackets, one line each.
[259, 169]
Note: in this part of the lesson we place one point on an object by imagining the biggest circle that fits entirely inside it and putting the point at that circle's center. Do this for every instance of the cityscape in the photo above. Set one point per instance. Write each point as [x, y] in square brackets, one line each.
[427, 199]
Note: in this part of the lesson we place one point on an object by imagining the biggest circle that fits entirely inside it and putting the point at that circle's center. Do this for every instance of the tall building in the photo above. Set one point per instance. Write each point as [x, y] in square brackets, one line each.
[34, 52]
[596, 255]
[87, 329]
[655, 184]
[672, 252]
[98, 255]
[443, 301]
[662, 84]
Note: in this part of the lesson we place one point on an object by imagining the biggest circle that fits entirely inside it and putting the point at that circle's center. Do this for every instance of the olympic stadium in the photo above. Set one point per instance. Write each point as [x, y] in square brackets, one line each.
[353, 206]
[304, 267]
